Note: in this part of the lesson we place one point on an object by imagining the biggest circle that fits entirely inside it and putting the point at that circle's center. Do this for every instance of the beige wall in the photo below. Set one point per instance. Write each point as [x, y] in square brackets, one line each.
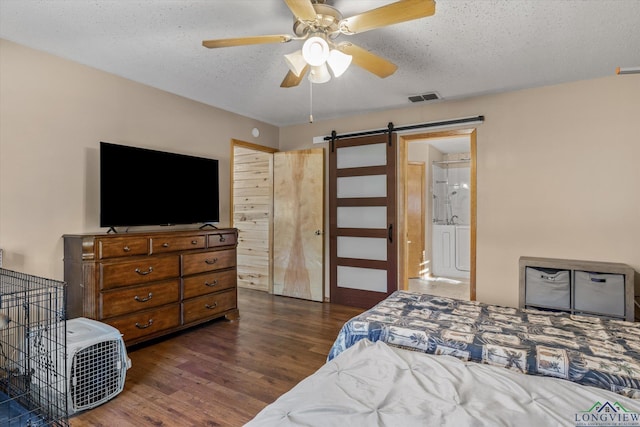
[557, 166]
[557, 173]
[53, 114]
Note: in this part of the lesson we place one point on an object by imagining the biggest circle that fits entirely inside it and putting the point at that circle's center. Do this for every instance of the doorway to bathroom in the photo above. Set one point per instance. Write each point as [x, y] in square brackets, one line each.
[439, 212]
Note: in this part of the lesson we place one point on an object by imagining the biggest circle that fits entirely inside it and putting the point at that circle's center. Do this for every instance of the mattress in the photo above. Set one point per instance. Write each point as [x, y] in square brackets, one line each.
[373, 384]
[591, 351]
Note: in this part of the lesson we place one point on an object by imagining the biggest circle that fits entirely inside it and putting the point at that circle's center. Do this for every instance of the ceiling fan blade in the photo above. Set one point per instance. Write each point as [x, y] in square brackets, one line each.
[243, 41]
[394, 13]
[291, 80]
[302, 9]
[367, 60]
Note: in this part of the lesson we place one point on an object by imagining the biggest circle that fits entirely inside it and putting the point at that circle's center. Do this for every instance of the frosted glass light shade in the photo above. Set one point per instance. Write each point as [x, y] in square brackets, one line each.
[339, 62]
[315, 51]
[295, 61]
[319, 74]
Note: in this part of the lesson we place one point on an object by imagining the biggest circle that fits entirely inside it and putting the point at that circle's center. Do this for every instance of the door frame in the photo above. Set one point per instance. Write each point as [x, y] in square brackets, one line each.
[404, 140]
[265, 149]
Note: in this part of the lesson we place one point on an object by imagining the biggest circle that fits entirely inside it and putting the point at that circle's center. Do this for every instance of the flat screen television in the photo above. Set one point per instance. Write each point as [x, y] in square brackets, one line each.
[139, 186]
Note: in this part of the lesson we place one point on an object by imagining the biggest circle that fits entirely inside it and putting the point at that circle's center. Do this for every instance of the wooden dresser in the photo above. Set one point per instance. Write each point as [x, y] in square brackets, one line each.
[149, 284]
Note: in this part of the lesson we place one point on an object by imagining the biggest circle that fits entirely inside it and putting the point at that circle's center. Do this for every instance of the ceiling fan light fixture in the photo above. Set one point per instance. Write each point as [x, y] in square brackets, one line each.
[295, 61]
[315, 51]
[319, 74]
[318, 24]
[339, 62]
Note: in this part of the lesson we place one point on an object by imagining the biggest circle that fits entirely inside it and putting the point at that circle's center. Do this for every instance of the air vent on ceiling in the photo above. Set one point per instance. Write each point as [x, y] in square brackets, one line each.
[431, 96]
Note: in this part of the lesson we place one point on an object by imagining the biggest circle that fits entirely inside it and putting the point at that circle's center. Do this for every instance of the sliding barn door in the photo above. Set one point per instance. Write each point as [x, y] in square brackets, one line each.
[362, 207]
[298, 221]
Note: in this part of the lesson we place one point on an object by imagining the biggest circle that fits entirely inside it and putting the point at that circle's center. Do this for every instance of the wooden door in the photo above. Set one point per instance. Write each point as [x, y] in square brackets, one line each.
[363, 234]
[298, 221]
[252, 185]
[415, 218]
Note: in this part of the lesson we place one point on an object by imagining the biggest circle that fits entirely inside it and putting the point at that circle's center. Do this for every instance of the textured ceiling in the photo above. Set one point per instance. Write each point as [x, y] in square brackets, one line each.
[468, 48]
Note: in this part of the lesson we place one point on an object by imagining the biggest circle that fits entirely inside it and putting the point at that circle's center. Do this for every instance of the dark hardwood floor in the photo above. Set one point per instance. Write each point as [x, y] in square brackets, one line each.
[223, 373]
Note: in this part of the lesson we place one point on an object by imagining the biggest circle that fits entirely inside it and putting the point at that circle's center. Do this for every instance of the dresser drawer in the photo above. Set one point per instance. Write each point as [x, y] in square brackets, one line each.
[143, 270]
[207, 261]
[208, 306]
[221, 239]
[122, 246]
[176, 243]
[206, 283]
[149, 322]
[129, 300]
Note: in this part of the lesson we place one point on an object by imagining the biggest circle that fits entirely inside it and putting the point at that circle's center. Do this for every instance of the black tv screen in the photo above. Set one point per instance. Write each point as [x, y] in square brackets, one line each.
[139, 186]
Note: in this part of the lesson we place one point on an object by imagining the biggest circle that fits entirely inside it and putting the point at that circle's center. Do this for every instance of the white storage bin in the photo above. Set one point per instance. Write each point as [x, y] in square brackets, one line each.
[548, 287]
[599, 293]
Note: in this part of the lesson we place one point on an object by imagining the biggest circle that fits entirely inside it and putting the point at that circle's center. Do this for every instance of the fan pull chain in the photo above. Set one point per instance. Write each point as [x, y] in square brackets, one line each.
[310, 102]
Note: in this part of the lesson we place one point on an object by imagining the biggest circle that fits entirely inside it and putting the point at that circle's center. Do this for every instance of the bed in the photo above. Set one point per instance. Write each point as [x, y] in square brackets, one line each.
[421, 360]
[374, 384]
[587, 350]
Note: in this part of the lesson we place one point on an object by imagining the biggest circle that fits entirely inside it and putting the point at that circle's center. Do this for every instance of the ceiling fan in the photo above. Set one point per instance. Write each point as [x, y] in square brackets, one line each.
[319, 25]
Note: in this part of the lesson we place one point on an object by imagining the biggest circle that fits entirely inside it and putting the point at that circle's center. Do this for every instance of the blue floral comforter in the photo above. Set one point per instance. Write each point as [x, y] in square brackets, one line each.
[587, 350]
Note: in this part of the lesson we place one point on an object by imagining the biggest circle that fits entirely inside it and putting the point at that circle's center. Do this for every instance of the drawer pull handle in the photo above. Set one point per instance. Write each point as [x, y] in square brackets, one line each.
[215, 283]
[211, 261]
[194, 242]
[145, 326]
[144, 273]
[126, 249]
[222, 239]
[210, 307]
[165, 245]
[145, 299]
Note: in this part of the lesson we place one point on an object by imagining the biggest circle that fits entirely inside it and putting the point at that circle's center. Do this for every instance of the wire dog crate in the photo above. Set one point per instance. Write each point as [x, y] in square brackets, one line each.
[33, 384]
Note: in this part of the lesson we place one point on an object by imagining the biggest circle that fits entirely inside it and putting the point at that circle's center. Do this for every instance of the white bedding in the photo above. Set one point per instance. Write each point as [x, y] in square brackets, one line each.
[373, 384]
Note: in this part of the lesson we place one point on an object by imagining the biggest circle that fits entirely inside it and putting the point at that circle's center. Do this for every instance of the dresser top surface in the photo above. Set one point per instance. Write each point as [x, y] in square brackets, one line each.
[153, 233]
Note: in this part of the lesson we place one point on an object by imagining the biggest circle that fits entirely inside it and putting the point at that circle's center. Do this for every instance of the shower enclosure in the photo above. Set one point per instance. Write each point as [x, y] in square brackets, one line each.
[451, 210]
